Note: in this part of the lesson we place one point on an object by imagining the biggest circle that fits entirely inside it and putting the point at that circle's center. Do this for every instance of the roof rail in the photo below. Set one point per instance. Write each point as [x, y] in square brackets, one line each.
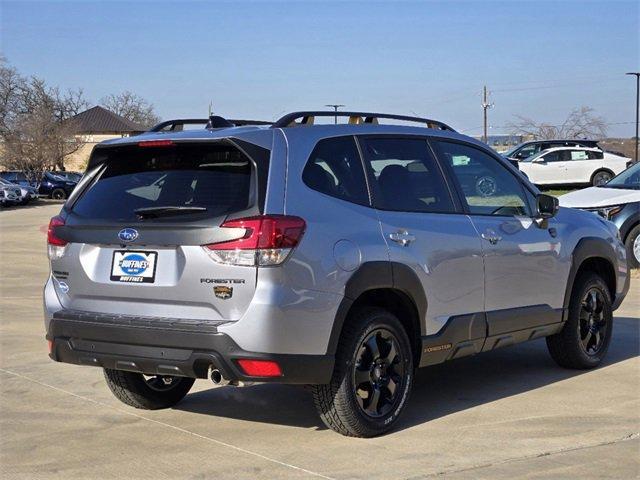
[355, 118]
[213, 121]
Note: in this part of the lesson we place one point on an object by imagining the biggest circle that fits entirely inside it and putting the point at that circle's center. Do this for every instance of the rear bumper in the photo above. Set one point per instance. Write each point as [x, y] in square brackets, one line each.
[174, 348]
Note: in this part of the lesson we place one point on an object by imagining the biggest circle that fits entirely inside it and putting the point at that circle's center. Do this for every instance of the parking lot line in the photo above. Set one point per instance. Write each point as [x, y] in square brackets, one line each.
[167, 425]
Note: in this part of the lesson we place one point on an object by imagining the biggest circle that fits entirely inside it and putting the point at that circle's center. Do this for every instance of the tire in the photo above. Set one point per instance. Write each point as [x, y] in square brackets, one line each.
[147, 394]
[584, 340]
[58, 194]
[632, 244]
[346, 404]
[601, 177]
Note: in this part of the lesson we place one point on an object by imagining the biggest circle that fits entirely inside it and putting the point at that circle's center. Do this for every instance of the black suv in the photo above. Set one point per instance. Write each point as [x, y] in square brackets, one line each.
[56, 186]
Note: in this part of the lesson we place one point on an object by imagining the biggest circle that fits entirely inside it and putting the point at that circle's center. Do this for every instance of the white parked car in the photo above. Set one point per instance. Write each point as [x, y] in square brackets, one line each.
[573, 165]
[619, 202]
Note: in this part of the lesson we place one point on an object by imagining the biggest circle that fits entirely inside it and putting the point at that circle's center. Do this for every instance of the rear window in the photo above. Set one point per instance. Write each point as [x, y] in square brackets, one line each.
[201, 180]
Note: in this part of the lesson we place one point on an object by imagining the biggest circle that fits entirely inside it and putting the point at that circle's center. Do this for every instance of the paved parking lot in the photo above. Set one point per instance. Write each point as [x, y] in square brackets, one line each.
[511, 413]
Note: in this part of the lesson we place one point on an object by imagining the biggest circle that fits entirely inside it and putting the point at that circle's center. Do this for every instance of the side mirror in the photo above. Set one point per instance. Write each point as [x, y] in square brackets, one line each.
[538, 160]
[546, 206]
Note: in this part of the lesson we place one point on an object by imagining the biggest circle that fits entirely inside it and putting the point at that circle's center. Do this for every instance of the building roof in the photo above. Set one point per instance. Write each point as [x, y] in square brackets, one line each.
[101, 120]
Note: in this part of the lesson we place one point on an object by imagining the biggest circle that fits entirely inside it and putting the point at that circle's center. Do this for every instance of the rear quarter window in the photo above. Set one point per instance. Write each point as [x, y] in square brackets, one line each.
[334, 168]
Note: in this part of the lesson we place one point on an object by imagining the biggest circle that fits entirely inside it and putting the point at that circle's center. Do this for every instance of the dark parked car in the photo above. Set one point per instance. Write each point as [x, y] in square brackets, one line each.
[19, 178]
[69, 176]
[54, 186]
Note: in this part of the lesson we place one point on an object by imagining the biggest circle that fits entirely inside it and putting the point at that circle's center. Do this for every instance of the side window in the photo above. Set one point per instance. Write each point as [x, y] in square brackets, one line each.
[579, 155]
[334, 168]
[593, 155]
[406, 175]
[527, 151]
[489, 188]
[553, 156]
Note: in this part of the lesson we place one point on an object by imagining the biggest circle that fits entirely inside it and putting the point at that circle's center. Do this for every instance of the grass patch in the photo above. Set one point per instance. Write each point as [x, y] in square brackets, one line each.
[557, 192]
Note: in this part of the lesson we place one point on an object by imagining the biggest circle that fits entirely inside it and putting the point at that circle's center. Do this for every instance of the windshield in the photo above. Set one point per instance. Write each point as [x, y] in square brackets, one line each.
[509, 153]
[630, 178]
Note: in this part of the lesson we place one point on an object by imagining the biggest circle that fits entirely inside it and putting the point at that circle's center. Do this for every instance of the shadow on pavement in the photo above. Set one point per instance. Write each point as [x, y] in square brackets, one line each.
[438, 391]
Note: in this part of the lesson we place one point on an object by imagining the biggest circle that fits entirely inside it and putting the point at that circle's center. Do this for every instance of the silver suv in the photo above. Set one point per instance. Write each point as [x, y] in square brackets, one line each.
[338, 256]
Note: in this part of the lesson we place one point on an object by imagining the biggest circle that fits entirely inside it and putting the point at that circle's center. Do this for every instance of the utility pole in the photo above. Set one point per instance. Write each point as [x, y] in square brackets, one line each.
[335, 107]
[485, 106]
[637, 74]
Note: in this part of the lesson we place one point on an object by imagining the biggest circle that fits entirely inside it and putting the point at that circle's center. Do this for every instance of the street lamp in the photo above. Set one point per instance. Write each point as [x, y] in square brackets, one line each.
[637, 74]
[335, 107]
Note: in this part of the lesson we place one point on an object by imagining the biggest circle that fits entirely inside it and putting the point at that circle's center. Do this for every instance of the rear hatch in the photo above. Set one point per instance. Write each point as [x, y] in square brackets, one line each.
[136, 230]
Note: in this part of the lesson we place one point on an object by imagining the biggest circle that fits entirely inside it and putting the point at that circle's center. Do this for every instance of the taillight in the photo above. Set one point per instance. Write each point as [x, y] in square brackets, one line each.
[56, 246]
[260, 368]
[266, 240]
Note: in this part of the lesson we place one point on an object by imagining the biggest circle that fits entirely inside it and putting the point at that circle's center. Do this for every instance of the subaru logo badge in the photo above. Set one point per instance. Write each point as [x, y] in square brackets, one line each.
[128, 234]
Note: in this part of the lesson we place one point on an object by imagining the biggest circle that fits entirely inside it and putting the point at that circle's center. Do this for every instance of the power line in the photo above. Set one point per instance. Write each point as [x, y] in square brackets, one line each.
[558, 126]
[459, 95]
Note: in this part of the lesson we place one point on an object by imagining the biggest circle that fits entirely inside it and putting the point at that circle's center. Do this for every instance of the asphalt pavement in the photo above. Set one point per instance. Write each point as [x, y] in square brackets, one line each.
[507, 414]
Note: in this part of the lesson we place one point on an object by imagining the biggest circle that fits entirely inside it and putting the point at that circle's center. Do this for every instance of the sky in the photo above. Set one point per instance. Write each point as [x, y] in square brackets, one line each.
[261, 59]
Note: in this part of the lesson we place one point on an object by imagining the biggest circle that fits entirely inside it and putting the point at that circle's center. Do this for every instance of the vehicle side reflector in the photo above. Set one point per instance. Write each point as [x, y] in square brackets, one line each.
[260, 368]
[50, 343]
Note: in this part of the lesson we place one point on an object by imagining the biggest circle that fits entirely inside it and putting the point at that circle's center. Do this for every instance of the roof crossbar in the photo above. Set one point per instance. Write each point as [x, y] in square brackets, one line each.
[214, 121]
[355, 118]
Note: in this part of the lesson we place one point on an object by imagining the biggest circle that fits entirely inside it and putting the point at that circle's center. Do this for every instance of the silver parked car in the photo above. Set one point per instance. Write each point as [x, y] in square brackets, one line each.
[339, 256]
[10, 195]
[27, 194]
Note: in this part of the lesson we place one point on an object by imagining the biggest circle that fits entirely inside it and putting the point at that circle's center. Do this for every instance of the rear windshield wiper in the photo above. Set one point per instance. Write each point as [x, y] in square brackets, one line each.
[167, 211]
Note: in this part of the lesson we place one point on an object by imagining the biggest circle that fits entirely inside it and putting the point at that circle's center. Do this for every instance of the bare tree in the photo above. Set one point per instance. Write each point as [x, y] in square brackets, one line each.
[132, 107]
[11, 88]
[581, 123]
[35, 130]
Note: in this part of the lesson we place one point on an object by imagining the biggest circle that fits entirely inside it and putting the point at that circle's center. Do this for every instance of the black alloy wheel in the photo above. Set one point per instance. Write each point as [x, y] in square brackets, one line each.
[161, 383]
[592, 325]
[372, 377]
[585, 336]
[378, 370]
[58, 194]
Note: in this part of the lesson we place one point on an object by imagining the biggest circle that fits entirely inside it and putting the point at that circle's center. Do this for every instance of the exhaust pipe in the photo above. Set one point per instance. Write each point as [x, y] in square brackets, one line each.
[218, 379]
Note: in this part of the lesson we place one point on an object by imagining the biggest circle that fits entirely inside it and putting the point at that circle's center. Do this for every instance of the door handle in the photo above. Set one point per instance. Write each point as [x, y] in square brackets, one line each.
[402, 237]
[491, 237]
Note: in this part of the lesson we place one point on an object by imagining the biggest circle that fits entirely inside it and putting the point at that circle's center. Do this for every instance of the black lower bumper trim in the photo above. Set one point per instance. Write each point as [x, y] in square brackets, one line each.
[172, 352]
